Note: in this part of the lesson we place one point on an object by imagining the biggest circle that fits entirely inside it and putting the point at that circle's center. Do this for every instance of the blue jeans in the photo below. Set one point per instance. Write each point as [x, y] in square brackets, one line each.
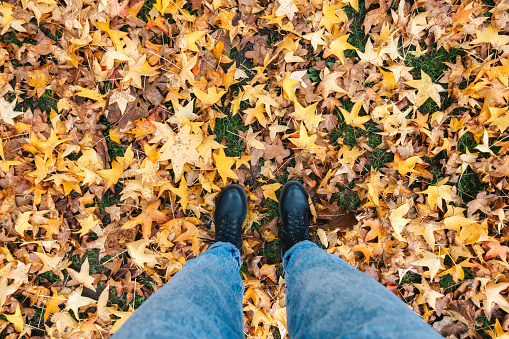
[326, 298]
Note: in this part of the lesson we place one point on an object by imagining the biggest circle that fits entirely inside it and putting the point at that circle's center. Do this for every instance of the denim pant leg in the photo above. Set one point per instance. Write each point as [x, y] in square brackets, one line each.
[328, 298]
[202, 300]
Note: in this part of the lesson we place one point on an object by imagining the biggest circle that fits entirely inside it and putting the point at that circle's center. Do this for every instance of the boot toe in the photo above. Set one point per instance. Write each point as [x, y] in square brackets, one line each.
[232, 202]
[294, 196]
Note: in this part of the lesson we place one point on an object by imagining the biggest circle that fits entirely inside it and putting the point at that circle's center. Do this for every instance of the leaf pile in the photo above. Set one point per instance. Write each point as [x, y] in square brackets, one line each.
[121, 122]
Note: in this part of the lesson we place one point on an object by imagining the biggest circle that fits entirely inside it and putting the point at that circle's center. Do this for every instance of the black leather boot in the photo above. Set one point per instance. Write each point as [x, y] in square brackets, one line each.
[230, 213]
[295, 215]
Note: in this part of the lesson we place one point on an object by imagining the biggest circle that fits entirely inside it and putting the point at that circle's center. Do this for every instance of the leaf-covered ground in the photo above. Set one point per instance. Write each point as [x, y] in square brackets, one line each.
[121, 122]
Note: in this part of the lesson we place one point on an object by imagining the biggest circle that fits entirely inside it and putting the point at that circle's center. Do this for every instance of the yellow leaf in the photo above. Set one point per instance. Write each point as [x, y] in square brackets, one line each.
[338, 47]
[398, 223]
[426, 88]
[145, 219]
[210, 97]
[307, 115]
[191, 39]
[269, 191]
[438, 192]
[352, 118]
[137, 251]
[304, 141]
[288, 85]
[430, 260]
[16, 319]
[87, 224]
[114, 34]
[88, 93]
[224, 166]
[403, 166]
[427, 295]
[113, 174]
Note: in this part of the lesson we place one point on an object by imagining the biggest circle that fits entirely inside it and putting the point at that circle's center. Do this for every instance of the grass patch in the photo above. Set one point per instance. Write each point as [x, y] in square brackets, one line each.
[147, 6]
[448, 283]
[469, 185]
[379, 157]
[272, 251]
[108, 199]
[466, 141]
[346, 198]
[357, 37]
[483, 325]
[432, 63]
[436, 168]
[350, 133]
[45, 103]
[409, 278]
[226, 130]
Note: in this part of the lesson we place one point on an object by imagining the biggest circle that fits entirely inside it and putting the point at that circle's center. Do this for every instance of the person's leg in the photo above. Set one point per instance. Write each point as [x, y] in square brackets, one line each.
[202, 300]
[327, 298]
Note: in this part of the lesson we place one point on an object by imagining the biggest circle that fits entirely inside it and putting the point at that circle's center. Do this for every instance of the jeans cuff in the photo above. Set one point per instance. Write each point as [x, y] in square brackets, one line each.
[294, 251]
[227, 249]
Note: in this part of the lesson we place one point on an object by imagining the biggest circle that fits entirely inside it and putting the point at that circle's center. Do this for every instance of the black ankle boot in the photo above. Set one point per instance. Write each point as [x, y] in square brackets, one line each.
[295, 215]
[230, 213]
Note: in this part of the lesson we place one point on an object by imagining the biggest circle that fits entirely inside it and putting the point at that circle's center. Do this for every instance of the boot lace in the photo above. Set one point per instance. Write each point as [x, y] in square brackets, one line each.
[227, 231]
[298, 223]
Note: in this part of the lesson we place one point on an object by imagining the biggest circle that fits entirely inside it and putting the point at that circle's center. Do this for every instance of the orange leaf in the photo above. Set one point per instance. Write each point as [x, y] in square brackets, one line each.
[146, 218]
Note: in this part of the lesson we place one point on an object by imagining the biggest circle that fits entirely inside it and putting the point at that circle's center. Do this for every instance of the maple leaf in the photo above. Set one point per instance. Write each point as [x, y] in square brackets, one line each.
[145, 219]
[83, 277]
[404, 166]
[76, 300]
[304, 141]
[7, 112]
[352, 118]
[426, 88]
[16, 319]
[113, 174]
[436, 193]
[181, 192]
[123, 316]
[224, 166]
[496, 248]
[398, 222]
[6, 290]
[52, 305]
[181, 149]
[332, 15]
[192, 233]
[192, 38]
[137, 251]
[338, 47]
[490, 35]
[210, 97]
[307, 115]
[493, 296]
[286, 7]
[87, 225]
[114, 34]
[427, 294]
[91, 94]
[251, 140]
[462, 14]
[269, 191]
[432, 261]
[122, 98]
[288, 87]
[316, 38]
